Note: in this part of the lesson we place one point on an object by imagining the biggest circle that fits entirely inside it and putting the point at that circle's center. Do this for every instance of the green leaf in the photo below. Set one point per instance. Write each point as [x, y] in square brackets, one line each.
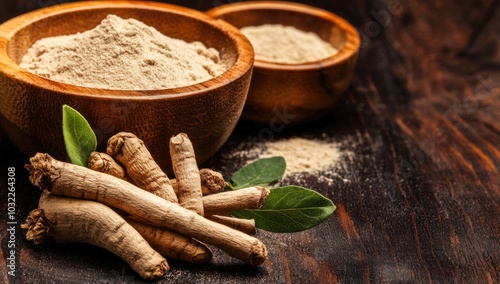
[289, 209]
[261, 172]
[79, 138]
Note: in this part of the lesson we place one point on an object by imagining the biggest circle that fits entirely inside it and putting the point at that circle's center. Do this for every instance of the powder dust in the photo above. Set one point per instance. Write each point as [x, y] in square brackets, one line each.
[305, 158]
[123, 54]
[303, 155]
[287, 44]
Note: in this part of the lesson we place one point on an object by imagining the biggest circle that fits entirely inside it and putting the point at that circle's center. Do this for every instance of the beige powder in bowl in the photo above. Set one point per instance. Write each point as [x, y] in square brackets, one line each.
[286, 44]
[123, 54]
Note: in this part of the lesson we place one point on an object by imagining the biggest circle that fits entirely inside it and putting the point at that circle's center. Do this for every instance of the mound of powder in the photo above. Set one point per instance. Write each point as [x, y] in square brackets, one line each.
[308, 161]
[286, 44]
[304, 155]
[123, 54]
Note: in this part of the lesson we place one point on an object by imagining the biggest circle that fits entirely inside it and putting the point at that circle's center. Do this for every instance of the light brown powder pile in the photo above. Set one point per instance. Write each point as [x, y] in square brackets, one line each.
[286, 44]
[304, 155]
[123, 54]
[307, 160]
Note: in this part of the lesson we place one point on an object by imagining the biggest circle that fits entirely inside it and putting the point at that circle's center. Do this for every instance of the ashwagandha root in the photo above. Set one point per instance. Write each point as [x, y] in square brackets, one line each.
[37, 227]
[141, 168]
[228, 201]
[75, 181]
[249, 198]
[246, 226]
[172, 244]
[74, 220]
[211, 182]
[104, 163]
[186, 173]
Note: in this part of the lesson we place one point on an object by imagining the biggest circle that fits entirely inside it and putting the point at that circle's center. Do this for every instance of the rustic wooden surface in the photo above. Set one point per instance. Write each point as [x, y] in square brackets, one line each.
[419, 199]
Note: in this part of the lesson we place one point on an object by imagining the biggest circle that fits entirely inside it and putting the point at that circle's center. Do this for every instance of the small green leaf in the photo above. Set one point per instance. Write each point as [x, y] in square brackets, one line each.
[289, 209]
[79, 138]
[261, 172]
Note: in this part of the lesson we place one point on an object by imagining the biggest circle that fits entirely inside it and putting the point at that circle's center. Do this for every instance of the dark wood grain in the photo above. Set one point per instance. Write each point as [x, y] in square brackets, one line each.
[419, 199]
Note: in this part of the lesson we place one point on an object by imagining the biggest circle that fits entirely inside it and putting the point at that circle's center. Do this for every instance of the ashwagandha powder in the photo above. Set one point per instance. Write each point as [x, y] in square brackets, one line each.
[287, 44]
[123, 54]
[322, 161]
[310, 160]
[304, 155]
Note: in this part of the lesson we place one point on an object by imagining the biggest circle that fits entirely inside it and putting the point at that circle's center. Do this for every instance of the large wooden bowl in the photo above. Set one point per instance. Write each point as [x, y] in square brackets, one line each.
[31, 106]
[287, 94]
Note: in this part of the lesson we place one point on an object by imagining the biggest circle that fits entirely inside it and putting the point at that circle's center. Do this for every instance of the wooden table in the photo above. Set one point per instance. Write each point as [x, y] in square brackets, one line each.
[419, 199]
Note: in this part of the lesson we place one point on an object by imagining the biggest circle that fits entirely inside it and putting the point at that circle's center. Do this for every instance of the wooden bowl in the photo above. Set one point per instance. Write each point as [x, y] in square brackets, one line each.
[282, 94]
[31, 106]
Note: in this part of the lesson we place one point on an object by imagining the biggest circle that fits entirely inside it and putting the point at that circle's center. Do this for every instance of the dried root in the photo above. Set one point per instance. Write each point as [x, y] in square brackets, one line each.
[79, 182]
[74, 220]
[152, 224]
[104, 163]
[246, 226]
[228, 201]
[211, 182]
[171, 244]
[131, 152]
[186, 173]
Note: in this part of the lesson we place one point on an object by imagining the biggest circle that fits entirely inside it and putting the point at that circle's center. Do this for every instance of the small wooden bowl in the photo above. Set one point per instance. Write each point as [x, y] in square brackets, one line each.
[282, 94]
[31, 106]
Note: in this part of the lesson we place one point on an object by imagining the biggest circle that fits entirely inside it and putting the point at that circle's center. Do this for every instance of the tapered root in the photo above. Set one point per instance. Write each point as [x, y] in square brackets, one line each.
[82, 221]
[171, 244]
[246, 226]
[228, 201]
[186, 173]
[141, 168]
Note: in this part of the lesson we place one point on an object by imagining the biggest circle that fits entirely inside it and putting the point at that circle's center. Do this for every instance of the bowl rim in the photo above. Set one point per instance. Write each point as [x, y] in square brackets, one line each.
[243, 64]
[352, 36]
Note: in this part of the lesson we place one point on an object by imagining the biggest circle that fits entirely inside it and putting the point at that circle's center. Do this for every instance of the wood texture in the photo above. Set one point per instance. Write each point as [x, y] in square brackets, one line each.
[419, 198]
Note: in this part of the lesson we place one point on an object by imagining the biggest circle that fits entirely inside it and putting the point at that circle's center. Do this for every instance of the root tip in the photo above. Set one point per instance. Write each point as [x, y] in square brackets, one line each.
[203, 258]
[42, 173]
[158, 272]
[259, 254]
[37, 227]
[265, 193]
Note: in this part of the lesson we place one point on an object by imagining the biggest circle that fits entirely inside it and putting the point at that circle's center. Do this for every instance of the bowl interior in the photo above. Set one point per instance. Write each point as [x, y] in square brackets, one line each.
[174, 23]
[328, 26]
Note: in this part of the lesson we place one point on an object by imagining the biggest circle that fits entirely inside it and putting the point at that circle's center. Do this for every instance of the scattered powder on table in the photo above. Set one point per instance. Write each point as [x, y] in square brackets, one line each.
[306, 159]
[123, 54]
[287, 44]
[304, 155]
